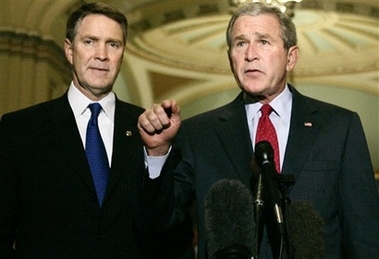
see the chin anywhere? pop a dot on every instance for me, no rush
(255, 90)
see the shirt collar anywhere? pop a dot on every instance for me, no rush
(282, 106)
(79, 102)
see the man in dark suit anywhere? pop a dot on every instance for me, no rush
(48, 199)
(322, 145)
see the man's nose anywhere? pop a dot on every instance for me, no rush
(251, 53)
(102, 52)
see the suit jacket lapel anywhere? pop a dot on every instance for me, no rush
(68, 139)
(235, 139)
(127, 145)
(303, 132)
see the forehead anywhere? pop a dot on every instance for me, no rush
(99, 24)
(261, 24)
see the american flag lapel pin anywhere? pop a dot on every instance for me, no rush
(308, 124)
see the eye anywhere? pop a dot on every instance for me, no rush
(264, 42)
(240, 43)
(114, 45)
(88, 41)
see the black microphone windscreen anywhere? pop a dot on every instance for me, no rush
(229, 218)
(306, 226)
(263, 152)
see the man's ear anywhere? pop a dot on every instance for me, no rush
(68, 49)
(292, 57)
(230, 61)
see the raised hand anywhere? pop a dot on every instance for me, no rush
(158, 126)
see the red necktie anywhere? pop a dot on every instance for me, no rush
(266, 131)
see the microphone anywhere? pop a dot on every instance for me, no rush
(264, 155)
(229, 221)
(305, 226)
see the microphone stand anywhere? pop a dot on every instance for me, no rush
(285, 182)
(275, 223)
(277, 192)
(258, 214)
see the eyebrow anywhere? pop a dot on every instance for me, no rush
(257, 34)
(97, 38)
(264, 35)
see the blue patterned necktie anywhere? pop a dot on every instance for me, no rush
(96, 154)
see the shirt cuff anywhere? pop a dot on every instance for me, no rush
(155, 163)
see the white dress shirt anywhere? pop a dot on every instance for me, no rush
(79, 105)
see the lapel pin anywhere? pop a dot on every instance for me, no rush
(308, 124)
(128, 133)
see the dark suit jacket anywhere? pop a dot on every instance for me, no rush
(329, 159)
(47, 194)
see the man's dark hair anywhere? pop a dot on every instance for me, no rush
(287, 27)
(95, 8)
